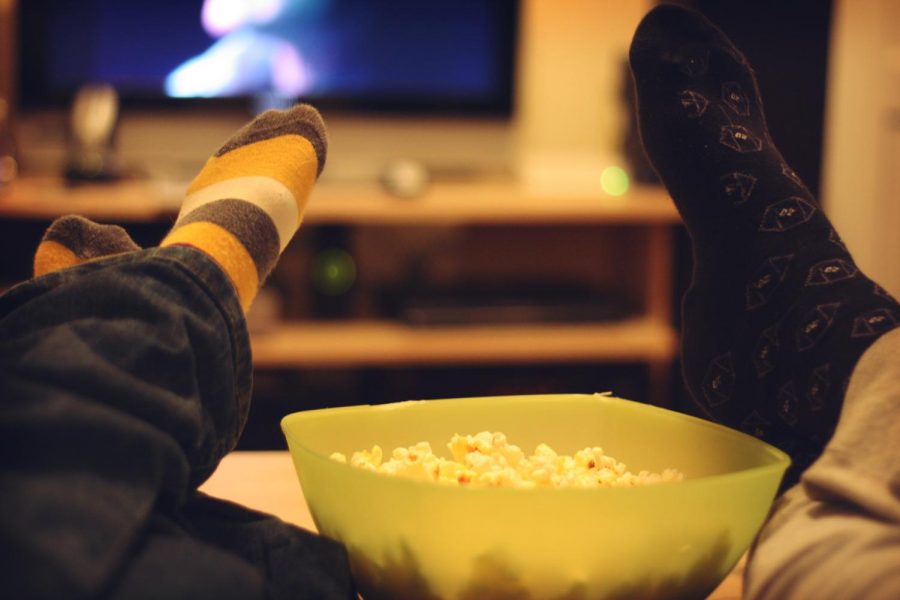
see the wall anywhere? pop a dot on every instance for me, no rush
(862, 152)
(571, 110)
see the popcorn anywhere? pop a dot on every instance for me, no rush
(488, 459)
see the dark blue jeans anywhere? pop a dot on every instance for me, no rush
(123, 383)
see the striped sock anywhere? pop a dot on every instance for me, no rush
(248, 200)
(73, 240)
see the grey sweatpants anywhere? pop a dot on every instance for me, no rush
(836, 534)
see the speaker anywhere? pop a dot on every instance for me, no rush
(9, 167)
(92, 126)
(8, 164)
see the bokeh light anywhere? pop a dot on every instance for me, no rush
(614, 181)
(334, 272)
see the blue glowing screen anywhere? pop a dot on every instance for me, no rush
(357, 51)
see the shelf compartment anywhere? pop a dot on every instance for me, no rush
(378, 343)
(507, 202)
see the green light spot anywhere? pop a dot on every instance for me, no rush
(614, 181)
(334, 272)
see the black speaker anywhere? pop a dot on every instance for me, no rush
(8, 164)
(94, 116)
(9, 167)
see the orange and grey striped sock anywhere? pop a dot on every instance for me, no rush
(248, 200)
(72, 240)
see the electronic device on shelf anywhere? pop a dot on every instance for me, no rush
(395, 55)
(509, 303)
(91, 153)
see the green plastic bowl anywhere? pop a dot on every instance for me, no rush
(422, 540)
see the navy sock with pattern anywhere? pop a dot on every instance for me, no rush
(777, 313)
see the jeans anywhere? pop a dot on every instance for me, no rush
(123, 383)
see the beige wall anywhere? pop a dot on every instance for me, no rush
(572, 54)
(861, 175)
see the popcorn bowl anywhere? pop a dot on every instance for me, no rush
(421, 540)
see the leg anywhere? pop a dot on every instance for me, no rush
(778, 319)
(125, 380)
(247, 202)
(837, 533)
(777, 313)
(241, 210)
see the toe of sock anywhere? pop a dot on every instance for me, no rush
(72, 239)
(676, 35)
(311, 125)
(301, 119)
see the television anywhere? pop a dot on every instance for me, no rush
(419, 56)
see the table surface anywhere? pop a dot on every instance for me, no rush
(266, 481)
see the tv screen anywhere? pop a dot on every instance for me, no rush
(420, 55)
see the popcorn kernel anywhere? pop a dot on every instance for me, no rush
(488, 459)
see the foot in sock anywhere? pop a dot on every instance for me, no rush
(73, 240)
(241, 210)
(777, 313)
(249, 198)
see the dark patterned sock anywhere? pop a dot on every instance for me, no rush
(777, 313)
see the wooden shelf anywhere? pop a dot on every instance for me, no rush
(386, 343)
(648, 339)
(489, 202)
(456, 203)
(122, 201)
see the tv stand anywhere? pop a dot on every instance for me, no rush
(631, 234)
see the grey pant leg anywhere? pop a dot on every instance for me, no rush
(836, 534)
